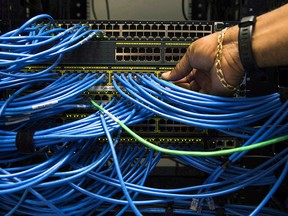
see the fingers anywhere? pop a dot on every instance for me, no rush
(182, 69)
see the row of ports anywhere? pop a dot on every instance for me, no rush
(221, 144)
(142, 26)
(149, 58)
(175, 128)
(155, 27)
(156, 34)
(175, 50)
(138, 50)
(173, 58)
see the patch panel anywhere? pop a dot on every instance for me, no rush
(150, 30)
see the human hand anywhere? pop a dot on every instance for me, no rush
(197, 71)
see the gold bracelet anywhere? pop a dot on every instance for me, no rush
(219, 71)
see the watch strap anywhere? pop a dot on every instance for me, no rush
(246, 27)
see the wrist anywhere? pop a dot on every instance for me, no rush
(231, 45)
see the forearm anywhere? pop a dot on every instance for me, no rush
(269, 38)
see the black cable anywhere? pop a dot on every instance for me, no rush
(107, 9)
(93, 10)
(183, 10)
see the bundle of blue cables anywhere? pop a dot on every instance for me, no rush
(34, 43)
(83, 167)
(234, 116)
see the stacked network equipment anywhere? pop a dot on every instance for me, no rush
(69, 89)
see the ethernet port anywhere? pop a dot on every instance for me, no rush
(170, 27)
(126, 50)
(185, 27)
(207, 28)
(168, 58)
(151, 128)
(184, 129)
(116, 34)
(126, 58)
(168, 50)
(132, 27)
(97, 97)
(156, 50)
(170, 122)
(134, 50)
(175, 58)
(94, 26)
(219, 144)
(140, 27)
(109, 26)
(162, 121)
(178, 27)
(119, 58)
(162, 128)
(141, 58)
(151, 121)
(147, 34)
(141, 50)
(132, 34)
(125, 27)
(161, 34)
(102, 27)
(177, 34)
(170, 34)
(119, 50)
(183, 50)
(169, 129)
(191, 129)
(185, 34)
(193, 27)
(192, 34)
(154, 34)
(125, 34)
(176, 129)
(149, 58)
(116, 27)
(147, 27)
(149, 50)
(175, 50)
(230, 144)
(134, 58)
(154, 27)
(161, 27)
(156, 58)
(108, 34)
(105, 97)
(140, 34)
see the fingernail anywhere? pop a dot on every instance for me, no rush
(165, 75)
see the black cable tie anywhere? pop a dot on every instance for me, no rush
(169, 209)
(226, 164)
(24, 141)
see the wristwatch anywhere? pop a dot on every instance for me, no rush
(246, 26)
